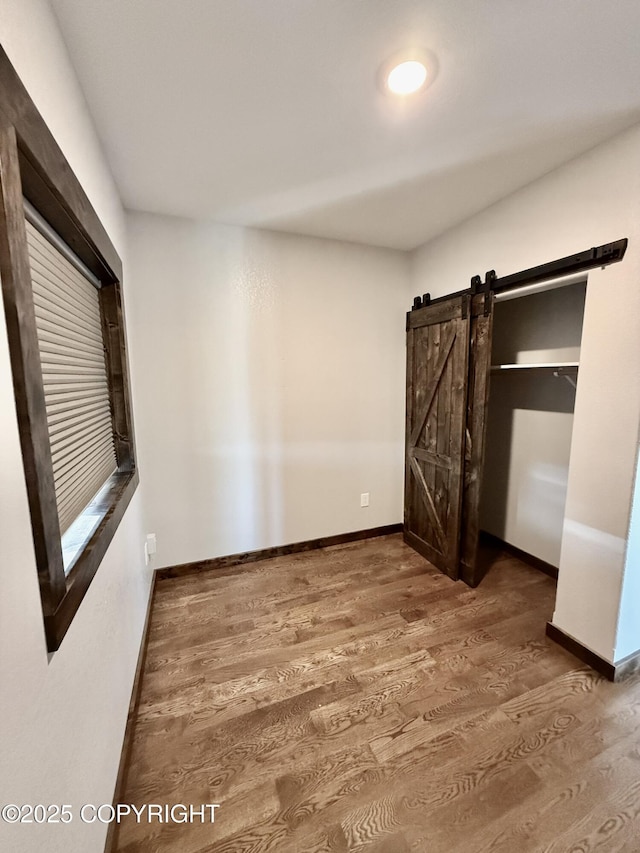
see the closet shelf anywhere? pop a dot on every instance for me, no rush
(559, 367)
(566, 369)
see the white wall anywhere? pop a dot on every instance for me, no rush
(63, 720)
(589, 201)
(274, 385)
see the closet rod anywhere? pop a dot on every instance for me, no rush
(541, 286)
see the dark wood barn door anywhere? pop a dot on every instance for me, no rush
(437, 378)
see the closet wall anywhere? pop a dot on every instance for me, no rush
(530, 420)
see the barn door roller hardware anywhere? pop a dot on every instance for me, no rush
(421, 301)
(486, 288)
(598, 256)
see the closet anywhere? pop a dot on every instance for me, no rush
(492, 373)
(535, 357)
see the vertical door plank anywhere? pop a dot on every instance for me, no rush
(472, 569)
(442, 429)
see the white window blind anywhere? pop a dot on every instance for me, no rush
(74, 372)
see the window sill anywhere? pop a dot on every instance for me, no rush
(109, 505)
(76, 538)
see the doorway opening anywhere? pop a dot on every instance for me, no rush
(535, 360)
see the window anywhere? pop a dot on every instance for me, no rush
(74, 377)
(61, 285)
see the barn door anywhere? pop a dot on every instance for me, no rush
(437, 376)
(473, 562)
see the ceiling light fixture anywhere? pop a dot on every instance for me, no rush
(407, 77)
(407, 73)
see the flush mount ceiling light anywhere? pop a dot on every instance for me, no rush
(407, 73)
(407, 78)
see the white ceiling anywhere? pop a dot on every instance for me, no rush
(267, 113)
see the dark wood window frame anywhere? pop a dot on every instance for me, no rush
(33, 166)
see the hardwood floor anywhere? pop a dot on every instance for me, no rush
(355, 699)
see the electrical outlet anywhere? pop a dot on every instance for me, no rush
(149, 547)
(151, 543)
(364, 499)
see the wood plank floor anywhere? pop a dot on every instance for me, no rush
(355, 699)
